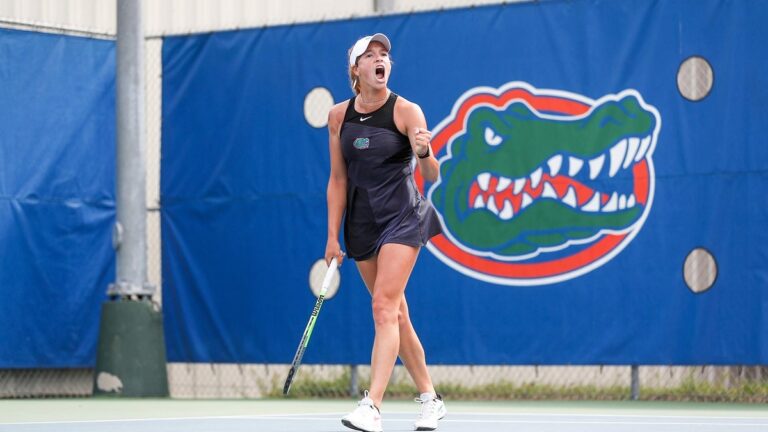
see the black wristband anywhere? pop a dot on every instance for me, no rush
(425, 155)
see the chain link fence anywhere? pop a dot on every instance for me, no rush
(747, 384)
(705, 383)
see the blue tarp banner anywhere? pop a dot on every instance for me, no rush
(57, 169)
(603, 188)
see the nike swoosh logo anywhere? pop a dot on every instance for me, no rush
(365, 118)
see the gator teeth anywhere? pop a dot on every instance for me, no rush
(506, 212)
(595, 165)
(574, 166)
(611, 204)
(527, 200)
(644, 144)
(634, 144)
(615, 202)
(519, 184)
(484, 180)
(617, 156)
(555, 162)
(594, 204)
(570, 197)
(503, 184)
(549, 191)
(492, 206)
(536, 177)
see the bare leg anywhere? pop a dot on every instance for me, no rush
(412, 352)
(396, 258)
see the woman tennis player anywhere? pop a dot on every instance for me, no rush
(373, 139)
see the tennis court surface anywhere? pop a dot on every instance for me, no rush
(96, 415)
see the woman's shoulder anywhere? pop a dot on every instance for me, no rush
(336, 114)
(401, 101)
(403, 105)
(405, 109)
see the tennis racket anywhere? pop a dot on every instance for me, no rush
(310, 326)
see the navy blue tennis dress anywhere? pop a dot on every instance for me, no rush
(383, 203)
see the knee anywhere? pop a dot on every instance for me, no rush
(402, 319)
(385, 311)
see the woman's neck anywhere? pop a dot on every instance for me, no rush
(373, 97)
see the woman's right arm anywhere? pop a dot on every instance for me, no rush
(337, 183)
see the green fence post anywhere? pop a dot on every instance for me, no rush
(131, 358)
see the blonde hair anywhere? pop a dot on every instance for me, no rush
(354, 83)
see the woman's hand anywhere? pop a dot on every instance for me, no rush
(422, 137)
(333, 250)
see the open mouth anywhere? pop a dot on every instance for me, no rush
(379, 72)
(574, 186)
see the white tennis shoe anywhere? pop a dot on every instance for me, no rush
(432, 410)
(366, 417)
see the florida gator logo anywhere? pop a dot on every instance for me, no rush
(541, 186)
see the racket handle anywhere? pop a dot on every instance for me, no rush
(329, 274)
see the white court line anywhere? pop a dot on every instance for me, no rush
(542, 414)
(555, 422)
(623, 423)
(529, 414)
(559, 422)
(655, 421)
(640, 419)
(133, 420)
(391, 420)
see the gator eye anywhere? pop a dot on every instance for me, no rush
(491, 138)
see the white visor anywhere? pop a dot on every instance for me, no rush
(362, 44)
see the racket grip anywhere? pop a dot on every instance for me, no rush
(329, 274)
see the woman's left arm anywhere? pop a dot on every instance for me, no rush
(416, 127)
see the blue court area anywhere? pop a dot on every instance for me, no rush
(87, 415)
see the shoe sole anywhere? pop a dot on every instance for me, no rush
(424, 428)
(349, 424)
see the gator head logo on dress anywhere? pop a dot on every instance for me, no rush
(541, 186)
(361, 143)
